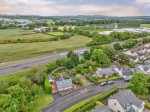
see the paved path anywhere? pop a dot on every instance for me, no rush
(67, 101)
(21, 65)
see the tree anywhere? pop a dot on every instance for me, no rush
(69, 54)
(61, 62)
(69, 63)
(101, 58)
(139, 83)
(86, 55)
(75, 58)
(51, 66)
(123, 59)
(36, 74)
(109, 51)
(117, 46)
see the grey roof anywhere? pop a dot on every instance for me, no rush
(105, 71)
(101, 109)
(146, 67)
(126, 98)
(127, 72)
(64, 84)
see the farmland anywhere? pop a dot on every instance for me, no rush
(17, 51)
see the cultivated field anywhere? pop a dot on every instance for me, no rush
(17, 51)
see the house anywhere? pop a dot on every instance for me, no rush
(64, 84)
(140, 53)
(104, 72)
(143, 68)
(125, 101)
(125, 73)
(39, 29)
(101, 109)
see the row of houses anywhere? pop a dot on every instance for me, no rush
(123, 101)
(125, 73)
(139, 54)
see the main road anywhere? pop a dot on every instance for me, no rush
(21, 65)
(69, 100)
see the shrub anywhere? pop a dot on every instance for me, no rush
(47, 85)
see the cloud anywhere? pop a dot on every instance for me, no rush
(143, 2)
(51, 8)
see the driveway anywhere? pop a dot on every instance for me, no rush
(67, 101)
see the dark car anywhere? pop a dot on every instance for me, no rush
(110, 82)
(103, 84)
(126, 80)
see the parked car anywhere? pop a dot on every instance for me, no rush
(103, 84)
(126, 80)
(110, 82)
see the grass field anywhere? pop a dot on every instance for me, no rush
(55, 33)
(21, 34)
(145, 25)
(14, 32)
(10, 52)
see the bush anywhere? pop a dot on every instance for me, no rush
(92, 79)
(47, 85)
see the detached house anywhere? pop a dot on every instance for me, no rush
(104, 72)
(125, 101)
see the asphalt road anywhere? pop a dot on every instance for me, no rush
(30, 62)
(69, 100)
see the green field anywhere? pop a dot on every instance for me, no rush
(55, 33)
(12, 34)
(145, 25)
(17, 51)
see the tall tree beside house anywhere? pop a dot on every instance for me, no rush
(101, 58)
(74, 57)
(139, 83)
(109, 51)
(123, 59)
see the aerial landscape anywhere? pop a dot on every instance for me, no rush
(75, 56)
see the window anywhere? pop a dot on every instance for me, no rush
(118, 111)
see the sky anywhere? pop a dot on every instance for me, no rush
(76, 7)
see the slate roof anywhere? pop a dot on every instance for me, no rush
(64, 84)
(126, 98)
(127, 72)
(101, 109)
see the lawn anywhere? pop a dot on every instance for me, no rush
(145, 25)
(42, 100)
(55, 33)
(10, 52)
